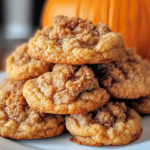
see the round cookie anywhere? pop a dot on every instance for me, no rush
(112, 124)
(125, 80)
(18, 121)
(66, 90)
(142, 105)
(20, 66)
(77, 42)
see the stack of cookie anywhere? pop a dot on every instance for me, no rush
(73, 68)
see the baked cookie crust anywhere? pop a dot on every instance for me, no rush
(67, 89)
(77, 42)
(113, 124)
(20, 66)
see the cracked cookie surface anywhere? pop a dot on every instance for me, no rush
(20, 66)
(67, 89)
(112, 124)
(125, 80)
(76, 41)
(18, 121)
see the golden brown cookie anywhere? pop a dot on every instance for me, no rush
(18, 121)
(125, 80)
(20, 66)
(112, 124)
(67, 89)
(76, 41)
(142, 105)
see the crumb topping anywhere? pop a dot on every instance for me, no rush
(75, 32)
(107, 115)
(13, 106)
(17, 107)
(111, 113)
(66, 82)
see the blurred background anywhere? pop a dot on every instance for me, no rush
(19, 20)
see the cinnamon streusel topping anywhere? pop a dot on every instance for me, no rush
(76, 41)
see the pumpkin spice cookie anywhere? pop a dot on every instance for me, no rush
(76, 41)
(142, 105)
(20, 66)
(18, 121)
(67, 89)
(125, 80)
(112, 124)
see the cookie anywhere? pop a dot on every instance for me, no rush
(18, 121)
(142, 105)
(112, 124)
(67, 89)
(12, 86)
(77, 42)
(20, 66)
(125, 80)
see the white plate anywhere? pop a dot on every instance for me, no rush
(62, 142)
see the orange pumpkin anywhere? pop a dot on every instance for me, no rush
(129, 17)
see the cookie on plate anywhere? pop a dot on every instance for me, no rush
(76, 41)
(112, 124)
(125, 80)
(18, 121)
(142, 106)
(20, 66)
(67, 89)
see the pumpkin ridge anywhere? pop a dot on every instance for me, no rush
(78, 8)
(148, 16)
